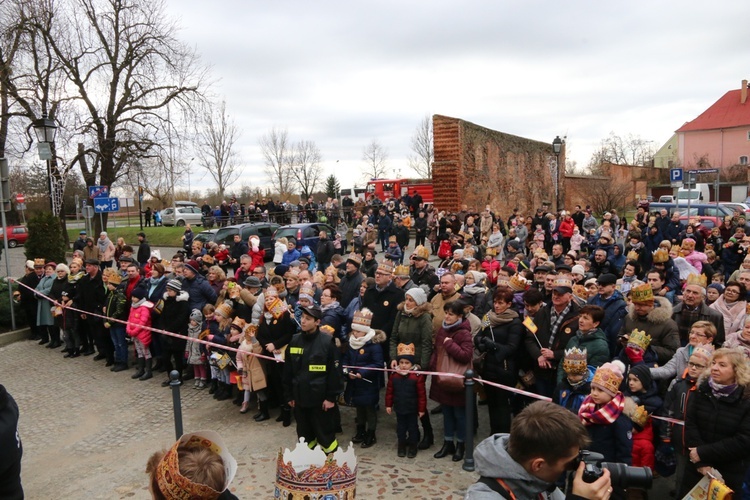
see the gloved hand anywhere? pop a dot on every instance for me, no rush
(489, 345)
(635, 355)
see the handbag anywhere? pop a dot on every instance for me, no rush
(479, 357)
(446, 364)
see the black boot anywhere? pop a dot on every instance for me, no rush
(401, 449)
(370, 439)
(412, 451)
(263, 412)
(428, 439)
(214, 386)
(141, 369)
(226, 392)
(119, 367)
(73, 353)
(448, 449)
(459, 455)
(360, 435)
(286, 412)
(148, 373)
(239, 397)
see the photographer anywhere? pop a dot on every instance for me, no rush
(543, 443)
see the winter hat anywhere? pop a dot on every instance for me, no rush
(578, 269)
(280, 270)
(306, 291)
(407, 352)
(138, 292)
(174, 284)
(193, 265)
(478, 277)
(224, 310)
(362, 320)
(196, 315)
(30, 264)
(718, 287)
(643, 373)
(608, 378)
(63, 267)
(155, 254)
(418, 295)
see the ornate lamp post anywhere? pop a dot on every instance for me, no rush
(46, 130)
(556, 149)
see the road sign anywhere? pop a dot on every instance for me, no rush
(675, 175)
(45, 150)
(21, 206)
(704, 171)
(20, 198)
(103, 205)
(88, 211)
(98, 192)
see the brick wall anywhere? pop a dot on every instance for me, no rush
(477, 166)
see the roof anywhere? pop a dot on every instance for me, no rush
(727, 112)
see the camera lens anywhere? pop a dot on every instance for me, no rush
(625, 476)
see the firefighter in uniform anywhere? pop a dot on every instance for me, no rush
(313, 381)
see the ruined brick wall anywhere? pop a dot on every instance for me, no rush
(477, 166)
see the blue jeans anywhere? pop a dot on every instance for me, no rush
(454, 422)
(117, 333)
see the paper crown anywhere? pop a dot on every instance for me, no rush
(518, 283)
(307, 290)
(661, 256)
(355, 259)
(640, 339)
(421, 252)
(676, 248)
(401, 271)
(642, 293)
(697, 279)
(306, 473)
(632, 255)
(608, 378)
(563, 281)
(406, 350)
(580, 291)
(112, 276)
(239, 323)
(391, 239)
(704, 351)
(575, 361)
(386, 266)
(362, 320)
(639, 416)
(224, 310)
(688, 244)
(39, 262)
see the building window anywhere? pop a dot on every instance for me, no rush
(748, 135)
(743, 160)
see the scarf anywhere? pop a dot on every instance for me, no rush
(357, 343)
(332, 305)
(492, 319)
(592, 414)
(409, 312)
(720, 390)
(103, 245)
(556, 321)
(447, 326)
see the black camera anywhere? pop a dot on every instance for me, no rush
(621, 475)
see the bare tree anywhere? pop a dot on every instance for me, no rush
(422, 147)
(306, 167)
(278, 156)
(609, 193)
(375, 156)
(214, 147)
(630, 150)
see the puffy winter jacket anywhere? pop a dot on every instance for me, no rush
(140, 317)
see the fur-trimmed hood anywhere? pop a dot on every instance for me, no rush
(419, 310)
(660, 314)
(380, 337)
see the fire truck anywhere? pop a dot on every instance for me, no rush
(384, 189)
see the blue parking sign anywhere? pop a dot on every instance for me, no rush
(675, 175)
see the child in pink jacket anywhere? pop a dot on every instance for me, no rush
(139, 323)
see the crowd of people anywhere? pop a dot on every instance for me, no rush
(616, 321)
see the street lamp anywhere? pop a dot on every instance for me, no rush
(46, 130)
(556, 149)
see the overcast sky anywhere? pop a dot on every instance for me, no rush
(344, 73)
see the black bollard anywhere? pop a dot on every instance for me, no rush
(470, 406)
(174, 383)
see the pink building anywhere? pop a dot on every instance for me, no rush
(720, 136)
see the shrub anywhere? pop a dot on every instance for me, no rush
(45, 238)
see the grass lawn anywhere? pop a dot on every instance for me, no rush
(161, 236)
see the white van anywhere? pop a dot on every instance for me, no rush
(698, 195)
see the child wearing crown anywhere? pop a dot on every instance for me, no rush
(406, 393)
(641, 400)
(602, 414)
(638, 350)
(252, 373)
(576, 384)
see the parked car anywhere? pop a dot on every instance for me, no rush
(185, 215)
(709, 210)
(206, 236)
(17, 235)
(666, 199)
(305, 233)
(743, 208)
(264, 230)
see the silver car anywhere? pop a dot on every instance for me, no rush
(185, 215)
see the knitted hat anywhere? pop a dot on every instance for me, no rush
(716, 286)
(386, 266)
(418, 295)
(155, 254)
(575, 361)
(643, 373)
(196, 315)
(578, 269)
(705, 352)
(224, 310)
(138, 292)
(608, 378)
(401, 271)
(51, 264)
(639, 339)
(362, 320)
(174, 284)
(421, 252)
(280, 270)
(407, 352)
(63, 267)
(355, 259)
(306, 291)
(518, 283)
(252, 282)
(193, 265)
(642, 294)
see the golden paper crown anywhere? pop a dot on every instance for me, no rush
(362, 320)
(639, 416)
(421, 252)
(580, 291)
(112, 276)
(697, 279)
(328, 329)
(608, 378)
(563, 281)
(355, 258)
(386, 266)
(661, 256)
(39, 262)
(518, 283)
(239, 323)
(678, 249)
(688, 244)
(642, 293)
(406, 350)
(391, 239)
(632, 255)
(224, 310)
(575, 361)
(401, 271)
(639, 338)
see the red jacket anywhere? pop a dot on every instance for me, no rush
(566, 227)
(257, 257)
(139, 318)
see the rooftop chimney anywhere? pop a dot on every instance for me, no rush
(743, 92)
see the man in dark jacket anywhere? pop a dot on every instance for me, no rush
(422, 273)
(144, 250)
(383, 300)
(352, 280)
(239, 248)
(615, 308)
(80, 243)
(197, 287)
(12, 449)
(90, 296)
(384, 229)
(29, 303)
(313, 381)
(673, 229)
(654, 316)
(694, 308)
(599, 264)
(402, 237)
(324, 252)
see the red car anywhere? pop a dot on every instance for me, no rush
(17, 235)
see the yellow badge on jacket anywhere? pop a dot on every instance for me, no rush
(317, 368)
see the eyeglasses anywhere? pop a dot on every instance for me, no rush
(378, 273)
(697, 334)
(731, 290)
(696, 365)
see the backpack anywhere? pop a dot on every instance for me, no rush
(445, 249)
